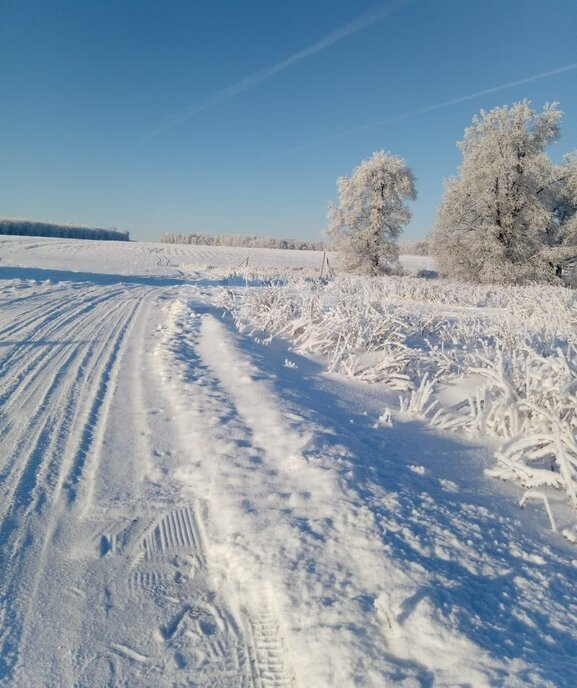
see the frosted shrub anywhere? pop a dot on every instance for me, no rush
(537, 407)
(518, 345)
(345, 329)
(419, 402)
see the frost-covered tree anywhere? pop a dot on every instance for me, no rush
(365, 225)
(510, 214)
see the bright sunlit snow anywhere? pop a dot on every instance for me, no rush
(206, 480)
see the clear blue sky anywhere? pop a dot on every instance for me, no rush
(226, 117)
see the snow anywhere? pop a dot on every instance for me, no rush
(144, 258)
(185, 503)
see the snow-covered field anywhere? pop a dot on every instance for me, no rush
(157, 259)
(186, 501)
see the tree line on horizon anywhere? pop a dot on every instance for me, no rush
(60, 231)
(241, 240)
(416, 247)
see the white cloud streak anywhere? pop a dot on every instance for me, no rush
(336, 36)
(431, 108)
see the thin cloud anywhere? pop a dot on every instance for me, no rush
(336, 36)
(431, 108)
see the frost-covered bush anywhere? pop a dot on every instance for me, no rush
(512, 352)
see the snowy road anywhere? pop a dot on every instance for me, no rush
(183, 505)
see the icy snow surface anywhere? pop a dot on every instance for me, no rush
(182, 504)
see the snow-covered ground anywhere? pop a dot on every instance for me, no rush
(149, 258)
(186, 504)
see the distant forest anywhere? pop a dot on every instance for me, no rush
(243, 240)
(419, 247)
(49, 229)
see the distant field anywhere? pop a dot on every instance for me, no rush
(154, 258)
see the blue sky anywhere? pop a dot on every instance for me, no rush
(239, 116)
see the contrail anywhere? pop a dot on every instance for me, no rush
(430, 108)
(362, 22)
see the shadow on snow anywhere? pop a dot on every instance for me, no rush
(101, 279)
(491, 571)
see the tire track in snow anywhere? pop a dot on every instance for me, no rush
(188, 342)
(145, 609)
(100, 378)
(48, 367)
(29, 298)
(27, 360)
(268, 652)
(26, 434)
(138, 375)
(52, 325)
(294, 528)
(53, 449)
(32, 383)
(170, 584)
(33, 488)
